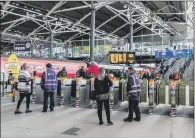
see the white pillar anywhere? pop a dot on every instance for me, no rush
(166, 94)
(187, 89)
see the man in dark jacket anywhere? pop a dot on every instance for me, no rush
(49, 85)
(133, 92)
(61, 74)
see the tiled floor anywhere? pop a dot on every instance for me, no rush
(53, 124)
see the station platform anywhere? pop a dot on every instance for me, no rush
(69, 122)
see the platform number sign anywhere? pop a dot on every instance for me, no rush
(122, 57)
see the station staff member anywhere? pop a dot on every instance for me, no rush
(49, 85)
(24, 87)
(133, 92)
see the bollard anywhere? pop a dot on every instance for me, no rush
(151, 96)
(77, 101)
(61, 92)
(111, 101)
(34, 87)
(93, 102)
(173, 98)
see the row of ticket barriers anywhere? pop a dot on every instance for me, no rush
(76, 92)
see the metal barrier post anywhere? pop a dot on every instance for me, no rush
(3, 85)
(61, 92)
(34, 87)
(167, 94)
(111, 101)
(173, 97)
(187, 92)
(77, 101)
(93, 102)
(151, 96)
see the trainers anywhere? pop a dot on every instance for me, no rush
(51, 110)
(101, 122)
(110, 123)
(44, 111)
(28, 111)
(127, 120)
(137, 119)
(18, 112)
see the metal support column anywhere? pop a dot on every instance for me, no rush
(194, 57)
(92, 42)
(130, 29)
(51, 46)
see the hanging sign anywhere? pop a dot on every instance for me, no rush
(122, 57)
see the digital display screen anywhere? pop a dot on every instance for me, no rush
(119, 57)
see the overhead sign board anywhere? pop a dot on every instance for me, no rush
(22, 46)
(122, 57)
(185, 53)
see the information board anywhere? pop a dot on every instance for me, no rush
(122, 57)
(185, 53)
(22, 46)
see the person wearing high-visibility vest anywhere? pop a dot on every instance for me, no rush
(133, 92)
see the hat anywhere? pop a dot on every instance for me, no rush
(49, 65)
(130, 68)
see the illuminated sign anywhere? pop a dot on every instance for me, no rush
(122, 57)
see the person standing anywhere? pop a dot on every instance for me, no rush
(24, 87)
(81, 72)
(49, 85)
(102, 85)
(133, 92)
(61, 74)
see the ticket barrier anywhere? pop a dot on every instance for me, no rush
(81, 90)
(122, 90)
(151, 96)
(33, 85)
(114, 95)
(65, 95)
(93, 103)
(174, 90)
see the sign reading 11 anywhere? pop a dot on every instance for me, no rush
(117, 57)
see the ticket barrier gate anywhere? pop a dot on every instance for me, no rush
(81, 90)
(114, 94)
(65, 95)
(174, 91)
(122, 90)
(151, 93)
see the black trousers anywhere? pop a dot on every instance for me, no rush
(22, 96)
(107, 109)
(134, 107)
(45, 103)
(59, 88)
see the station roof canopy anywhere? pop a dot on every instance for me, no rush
(70, 20)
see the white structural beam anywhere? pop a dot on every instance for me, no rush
(12, 25)
(55, 7)
(107, 21)
(119, 28)
(140, 23)
(97, 7)
(141, 8)
(51, 11)
(4, 7)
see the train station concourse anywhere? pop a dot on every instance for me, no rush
(97, 69)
